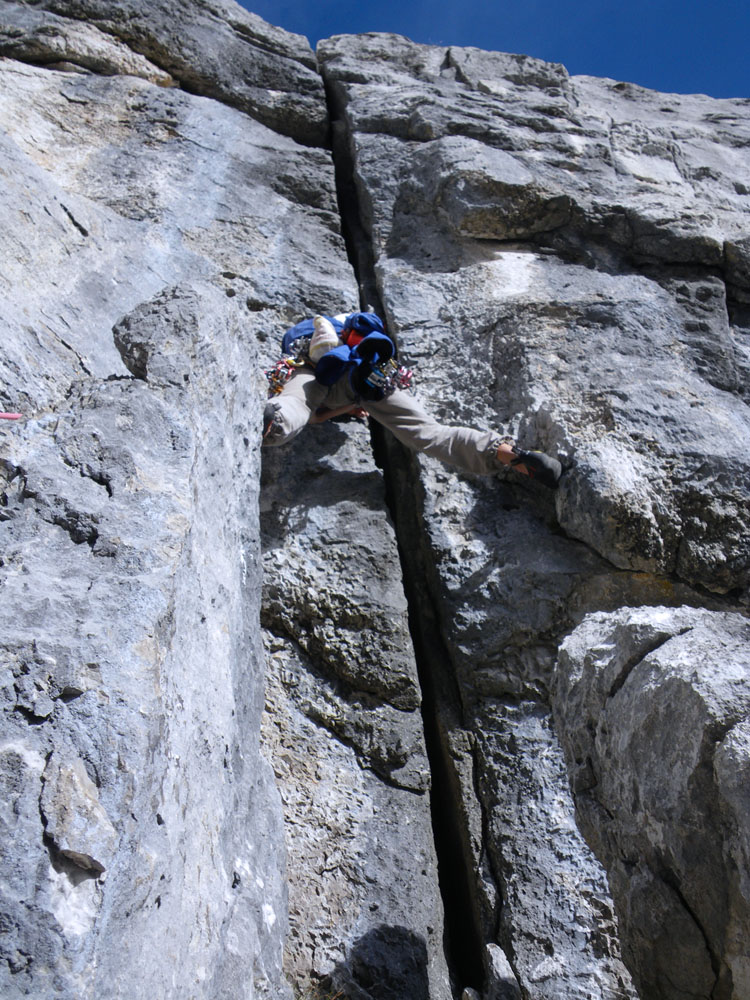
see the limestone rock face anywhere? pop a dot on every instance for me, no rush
(668, 818)
(214, 48)
(344, 726)
(142, 830)
(557, 256)
(339, 720)
(582, 240)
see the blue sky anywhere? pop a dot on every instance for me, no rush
(681, 46)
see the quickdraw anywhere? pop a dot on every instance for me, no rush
(299, 349)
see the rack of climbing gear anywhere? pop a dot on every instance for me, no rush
(389, 376)
(282, 371)
(296, 357)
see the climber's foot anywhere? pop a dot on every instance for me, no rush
(538, 466)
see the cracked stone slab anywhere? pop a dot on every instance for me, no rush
(610, 335)
(117, 651)
(130, 561)
(110, 558)
(613, 350)
(32, 35)
(361, 855)
(163, 194)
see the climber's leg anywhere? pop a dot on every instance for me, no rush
(288, 412)
(468, 449)
(474, 451)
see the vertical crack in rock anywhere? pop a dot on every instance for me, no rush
(671, 879)
(442, 712)
(358, 245)
(146, 669)
(441, 697)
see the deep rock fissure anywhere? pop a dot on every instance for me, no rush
(441, 699)
(441, 710)
(358, 245)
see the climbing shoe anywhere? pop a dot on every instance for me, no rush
(269, 415)
(541, 467)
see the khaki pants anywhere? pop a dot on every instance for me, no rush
(289, 411)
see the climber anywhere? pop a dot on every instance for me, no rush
(346, 365)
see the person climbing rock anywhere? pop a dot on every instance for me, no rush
(335, 365)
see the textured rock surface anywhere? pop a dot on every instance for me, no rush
(142, 832)
(610, 344)
(670, 820)
(132, 667)
(505, 749)
(210, 47)
(344, 726)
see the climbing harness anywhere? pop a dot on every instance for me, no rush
(296, 354)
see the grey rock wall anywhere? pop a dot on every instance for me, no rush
(504, 748)
(143, 845)
(345, 727)
(213, 48)
(559, 258)
(670, 816)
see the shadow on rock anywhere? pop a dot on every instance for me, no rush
(387, 963)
